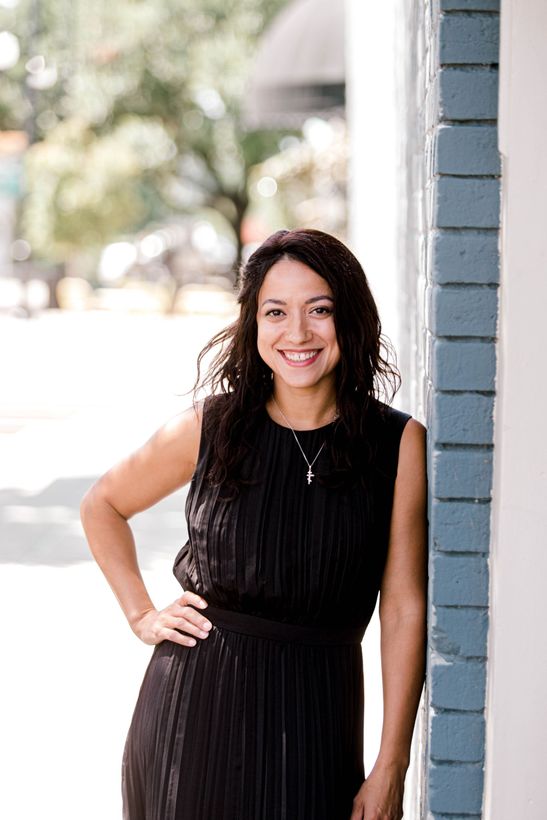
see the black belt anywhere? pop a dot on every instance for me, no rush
(260, 627)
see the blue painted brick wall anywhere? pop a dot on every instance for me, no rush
(461, 473)
(462, 364)
(460, 631)
(436, 816)
(461, 199)
(468, 311)
(460, 526)
(452, 785)
(457, 737)
(468, 257)
(466, 149)
(463, 418)
(469, 5)
(460, 580)
(466, 202)
(467, 93)
(472, 38)
(458, 685)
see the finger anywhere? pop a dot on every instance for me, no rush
(191, 598)
(357, 813)
(189, 626)
(196, 618)
(177, 637)
(188, 613)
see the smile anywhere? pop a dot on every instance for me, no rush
(300, 358)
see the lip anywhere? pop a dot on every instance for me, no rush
(305, 362)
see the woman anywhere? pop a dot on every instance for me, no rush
(307, 498)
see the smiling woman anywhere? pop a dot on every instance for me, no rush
(255, 712)
(347, 375)
(297, 339)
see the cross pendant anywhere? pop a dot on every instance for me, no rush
(310, 475)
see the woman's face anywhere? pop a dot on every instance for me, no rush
(295, 323)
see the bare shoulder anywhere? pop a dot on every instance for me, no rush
(160, 466)
(410, 483)
(414, 436)
(181, 433)
(412, 455)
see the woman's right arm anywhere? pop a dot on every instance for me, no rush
(160, 466)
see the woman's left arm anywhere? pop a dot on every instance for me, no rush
(403, 606)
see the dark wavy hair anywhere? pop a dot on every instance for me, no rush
(364, 374)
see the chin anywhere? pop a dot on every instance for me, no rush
(300, 380)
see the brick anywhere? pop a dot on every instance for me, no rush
(469, 5)
(465, 418)
(437, 816)
(468, 94)
(469, 38)
(463, 365)
(457, 737)
(459, 580)
(462, 526)
(464, 256)
(466, 202)
(458, 685)
(466, 150)
(463, 311)
(461, 473)
(459, 631)
(455, 788)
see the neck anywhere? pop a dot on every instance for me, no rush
(303, 409)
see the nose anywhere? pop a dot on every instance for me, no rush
(298, 330)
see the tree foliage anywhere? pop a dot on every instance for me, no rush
(144, 116)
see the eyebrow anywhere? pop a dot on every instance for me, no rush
(307, 302)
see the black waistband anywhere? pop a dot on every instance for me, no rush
(260, 627)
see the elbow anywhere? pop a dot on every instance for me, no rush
(86, 505)
(412, 613)
(90, 493)
(85, 500)
(90, 501)
(95, 503)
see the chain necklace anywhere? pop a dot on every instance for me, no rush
(309, 474)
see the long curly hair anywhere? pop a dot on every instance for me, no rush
(364, 375)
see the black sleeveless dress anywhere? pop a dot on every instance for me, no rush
(263, 720)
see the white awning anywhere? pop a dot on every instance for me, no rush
(299, 69)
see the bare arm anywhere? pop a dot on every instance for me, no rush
(403, 597)
(163, 464)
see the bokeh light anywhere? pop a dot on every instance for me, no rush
(9, 50)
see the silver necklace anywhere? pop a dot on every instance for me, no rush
(309, 474)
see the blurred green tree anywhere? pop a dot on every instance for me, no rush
(133, 111)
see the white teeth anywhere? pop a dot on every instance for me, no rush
(300, 357)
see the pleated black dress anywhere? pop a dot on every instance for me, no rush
(263, 720)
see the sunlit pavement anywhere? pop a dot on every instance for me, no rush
(78, 391)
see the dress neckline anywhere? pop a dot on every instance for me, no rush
(298, 432)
